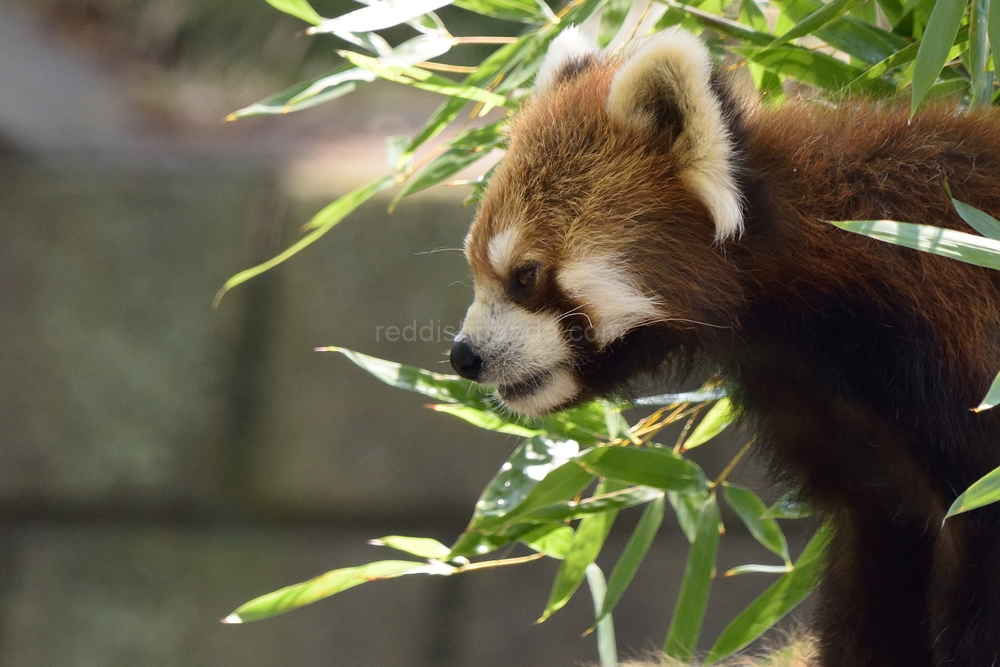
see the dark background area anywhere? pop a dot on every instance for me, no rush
(162, 462)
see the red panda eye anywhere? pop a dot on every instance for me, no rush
(525, 278)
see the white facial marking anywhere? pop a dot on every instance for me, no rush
(570, 45)
(515, 344)
(500, 249)
(678, 63)
(602, 284)
(556, 390)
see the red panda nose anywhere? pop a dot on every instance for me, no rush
(465, 360)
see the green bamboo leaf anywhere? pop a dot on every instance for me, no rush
(779, 599)
(635, 551)
(462, 151)
(378, 16)
(422, 547)
(938, 38)
(587, 543)
(325, 585)
(612, 17)
(307, 94)
(752, 15)
(687, 506)
(983, 223)
(485, 419)
(449, 388)
(818, 19)
(992, 398)
(852, 36)
(424, 80)
(979, 53)
(993, 30)
(298, 8)
(873, 73)
(758, 569)
(528, 11)
(983, 492)
(944, 242)
(702, 395)
(597, 504)
(811, 67)
(553, 541)
(656, 467)
(724, 25)
(689, 612)
(607, 648)
(789, 506)
(715, 422)
(321, 223)
(750, 508)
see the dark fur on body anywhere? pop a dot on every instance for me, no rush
(858, 362)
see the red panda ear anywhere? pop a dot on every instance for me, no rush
(570, 53)
(665, 87)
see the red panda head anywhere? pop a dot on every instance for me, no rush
(603, 224)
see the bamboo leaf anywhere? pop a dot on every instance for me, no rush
(485, 419)
(528, 11)
(587, 543)
(597, 504)
(944, 242)
(810, 67)
(307, 94)
(983, 223)
(298, 8)
(687, 506)
(715, 422)
(422, 547)
(685, 626)
(979, 53)
(817, 20)
(656, 467)
(553, 541)
(378, 16)
(758, 569)
(635, 552)
(992, 398)
(984, 492)
(323, 222)
(750, 508)
(779, 599)
(993, 30)
(938, 38)
(325, 585)
(789, 506)
(424, 80)
(607, 648)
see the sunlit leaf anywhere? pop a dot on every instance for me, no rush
(944, 242)
(938, 38)
(297, 8)
(607, 648)
(379, 15)
(750, 508)
(700, 396)
(752, 15)
(983, 492)
(307, 94)
(817, 20)
(321, 223)
(779, 599)
(689, 612)
(617, 500)
(811, 67)
(656, 467)
(553, 541)
(485, 419)
(635, 551)
(898, 59)
(325, 585)
(715, 422)
(993, 30)
(860, 40)
(587, 543)
(979, 53)
(992, 398)
(422, 547)
(758, 569)
(528, 11)
(424, 80)
(687, 506)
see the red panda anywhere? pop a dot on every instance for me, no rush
(646, 218)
